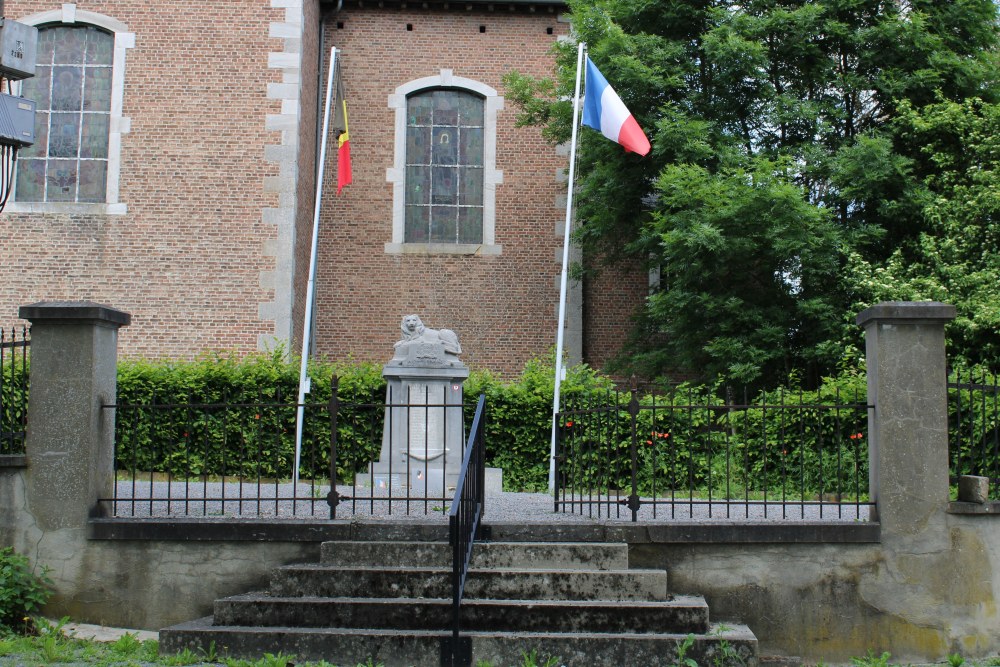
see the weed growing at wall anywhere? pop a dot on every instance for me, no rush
(22, 592)
(872, 660)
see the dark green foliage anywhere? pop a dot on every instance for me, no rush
(13, 405)
(810, 157)
(519, 418)
(750, 228)
(974, 424)
(22, 592)
(953, 258)
(220, 416)
(787, 443)
(244, 422)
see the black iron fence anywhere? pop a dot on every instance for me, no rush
(974, 426)
(695, 453)
(465, 521)
(236, 457)
(14, 344)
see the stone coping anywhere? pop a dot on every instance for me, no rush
(13, 461)
(57, 312)
(907, 311)
(313, 530)
(958, 507)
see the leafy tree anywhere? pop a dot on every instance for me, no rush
(954, 258)
(797, 145)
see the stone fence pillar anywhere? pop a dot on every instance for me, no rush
(70, 439)
(908, 428)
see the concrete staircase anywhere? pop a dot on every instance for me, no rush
(391, 601)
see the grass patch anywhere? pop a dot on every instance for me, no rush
(51, 647)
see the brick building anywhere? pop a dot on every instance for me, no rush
(174, 178)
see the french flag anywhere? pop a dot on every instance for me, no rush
(603, 110)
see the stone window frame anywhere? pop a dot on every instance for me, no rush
(396, 175)
(119, 124)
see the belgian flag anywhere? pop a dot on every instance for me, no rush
(343, 138)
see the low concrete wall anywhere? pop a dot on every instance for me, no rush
(148, 583)
(801, 595)
(921, 582)
(819, 601)
(830, 602)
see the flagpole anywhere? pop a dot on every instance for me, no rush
(304, 381)
(563, 278)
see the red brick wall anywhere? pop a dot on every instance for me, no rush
(610, 300)
(185, 260)
(502, 307)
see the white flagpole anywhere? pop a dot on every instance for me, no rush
(304, 382)
(565, 266)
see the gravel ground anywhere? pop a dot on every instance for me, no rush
(208, 499)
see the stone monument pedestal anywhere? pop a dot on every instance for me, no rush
(424, 434)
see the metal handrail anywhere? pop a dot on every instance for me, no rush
(464, 520)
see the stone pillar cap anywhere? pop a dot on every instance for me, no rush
(907, 310)
(73, 311)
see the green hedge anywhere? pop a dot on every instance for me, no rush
(250, 439)
(13, 406)
(691, 437)
(23, 593)
(220, 415)
(974, 432)
(519, 418)
(703, 448)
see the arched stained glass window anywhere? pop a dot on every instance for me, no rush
(72, 88)
(444, 167)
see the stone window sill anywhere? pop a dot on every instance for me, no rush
(442, 249)
(66, 208)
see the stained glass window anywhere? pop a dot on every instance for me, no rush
(72, 89)
(444, 167)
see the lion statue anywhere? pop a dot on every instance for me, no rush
(414, 331)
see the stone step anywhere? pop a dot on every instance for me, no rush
(497, 583)
(525, 555)
(680, 614)
(722, 646)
